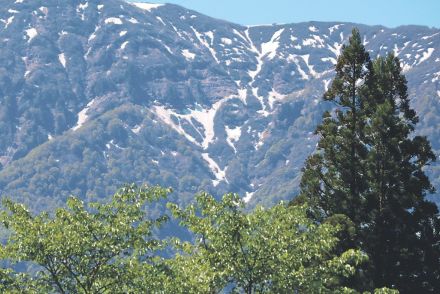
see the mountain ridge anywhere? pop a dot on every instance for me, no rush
(172, 97)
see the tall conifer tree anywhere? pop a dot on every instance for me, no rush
(369, 166)
(333, 176)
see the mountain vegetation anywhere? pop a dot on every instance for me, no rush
(95, 94)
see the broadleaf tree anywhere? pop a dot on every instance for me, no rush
(276, 250)
(98, 248)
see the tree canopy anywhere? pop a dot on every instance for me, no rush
(369, 166)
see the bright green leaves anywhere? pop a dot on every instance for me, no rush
(268, 250)
(110, 248)
(86, 249)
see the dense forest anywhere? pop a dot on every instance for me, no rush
(361, 222)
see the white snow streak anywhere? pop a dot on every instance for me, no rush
(31, 33)
(333, 28)
(426, 55)
(220, 174)
(82, 116)
(326, 84)
(188, 55)
(146, 6)
(9, 21)
(202, 40)
(233, 136)
(270, 48)
(336, 48)
(203, 116)
(248, 197)
(331, 59)
(62, 59)
(123, 45)
(113, 20)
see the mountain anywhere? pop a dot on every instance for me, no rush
(95, 94)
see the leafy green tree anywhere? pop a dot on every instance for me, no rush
(99, 248)
(369, 166)
(277, 250)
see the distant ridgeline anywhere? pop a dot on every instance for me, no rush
(100, 93)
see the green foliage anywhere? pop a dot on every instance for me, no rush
(97, 248)
(275, 250)
(370, 167)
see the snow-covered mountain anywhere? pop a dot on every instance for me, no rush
(94, 94)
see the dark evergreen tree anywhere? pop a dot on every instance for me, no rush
(369, 166)
(402, 227)
(333, 177)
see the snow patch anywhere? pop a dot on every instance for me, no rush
(405, 67)
(82, 116)
(161, 20)
(44, 10)
(62, 59)
(336, 48)
(310, 67)
(123, 45)
(326, 84)
(242, 94)
(203, 116)
(31, 33)
(270, 48)
(122, 33)
(220, 174)
(233, 136)
(93, 35)
(146, 6)
(313, 29)
(428, 37)
(83, 6)
(226, 41)
(9, 21)
(329, 59)
(293, 58)
(188, 55)
(113, 20)
(203, 41)
(334, 28)
(248, 197)
(426, 55)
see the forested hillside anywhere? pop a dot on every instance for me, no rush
(95, 94)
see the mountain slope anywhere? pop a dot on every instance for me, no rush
(95, 94)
